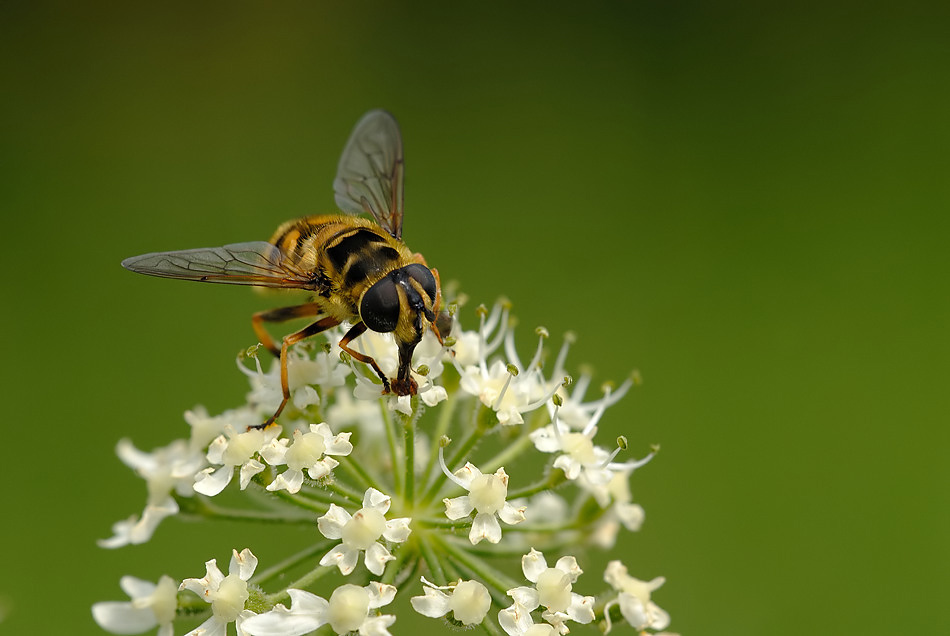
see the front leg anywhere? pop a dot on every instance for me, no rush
(310, 330)
(355, 332)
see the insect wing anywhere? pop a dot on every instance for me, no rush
(369, 178)
(255, 263)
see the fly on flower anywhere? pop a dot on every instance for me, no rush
(358, 269)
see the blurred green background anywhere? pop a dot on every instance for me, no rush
(748, 203)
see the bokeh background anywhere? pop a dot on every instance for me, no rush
(746, 202)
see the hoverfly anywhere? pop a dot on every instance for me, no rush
(358, 270)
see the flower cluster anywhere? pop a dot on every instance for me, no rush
(423, 503)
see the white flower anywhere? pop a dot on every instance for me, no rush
(579, 456)
(350, 609)
(469, 601)
(511, 389)
(552, 590)
(307, 452)
(152, 604)
(621, 511)
(486, 496)
(229, 451)
(579, 415)
(205, 428)
(324, 370)
(634, 598)
(227, 594)
(516, 621)
(361, 532)
(166, 470)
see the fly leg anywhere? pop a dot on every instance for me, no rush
(281, 314)
(289, 340)
(355, 332)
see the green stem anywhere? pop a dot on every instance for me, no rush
(346, 492)
(499, 580)
(394, 566)
(360, 474)
(432, 561)
(488, 624)
(303, 582)
(441, 428)
(554, 479)
(391, 440)
(307, 503)
(445, 523)
(409, 439)
(511, 451)
(279, 568)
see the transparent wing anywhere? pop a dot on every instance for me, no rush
(370, 175)
(256, 263)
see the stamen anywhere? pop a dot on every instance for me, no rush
(633, 464)
(512, 372)
(621, 446)
(607, 624)
(445, 469)
(547, 396)
(554, 424)
(536, 360)
(510, 352)
(569, 339)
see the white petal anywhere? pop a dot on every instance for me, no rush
(434, 395)
(372, 498)
(340, 445)
(123, 618)
(467, 473)
(216, 448)
(485, 526)
(377, 625)
(380, 594)
(581, 609)
(434, 604)
(515, 620)
(343, 557)
(458, 507)
(570, 466)
(250, 468)
(307, 613)
(511, 514)
(210, 482)
(397, 530)
(289, 480)
(211, 627)
(630, 515)
(305, 396)
(274, 452)
(280, 622)
(403, 404)
(533, 564)
(322, 468)
(331, 524)
(568, 565)
(526, 597)
(212, 579)
(243, 563)
(136, 587)
(376, 558)
(545, 441)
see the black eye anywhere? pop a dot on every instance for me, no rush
(421, 274)
(379, 308)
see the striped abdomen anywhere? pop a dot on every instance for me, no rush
(346, 254)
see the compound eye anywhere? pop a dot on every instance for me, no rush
(379, 308)
(421, 274)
